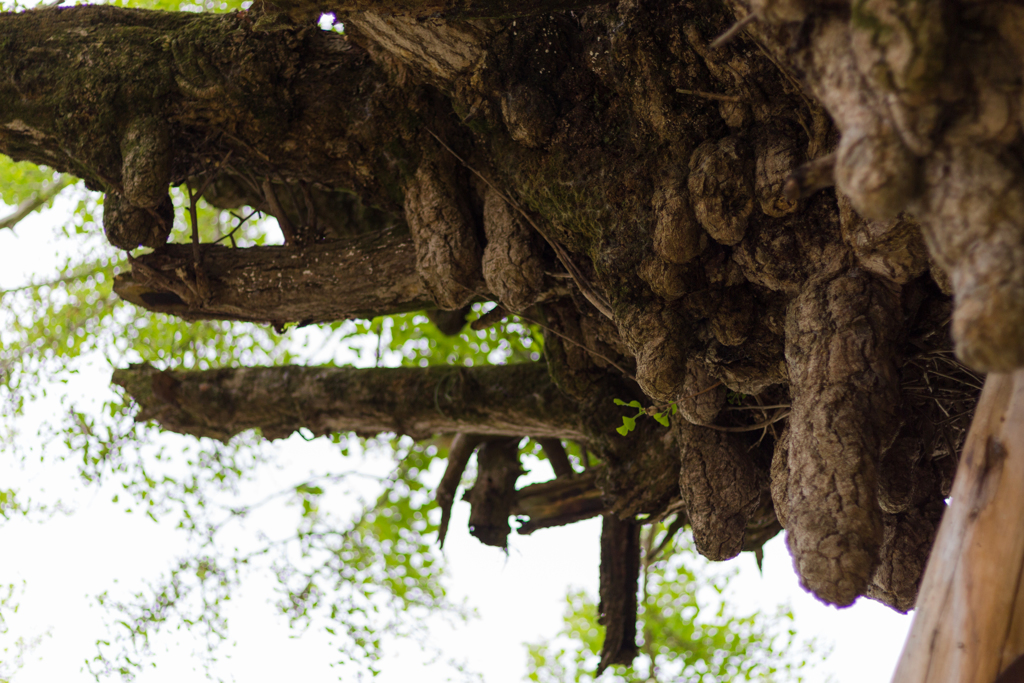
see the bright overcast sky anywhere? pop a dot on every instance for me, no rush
(518, 598)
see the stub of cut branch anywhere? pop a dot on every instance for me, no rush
(360, 278)
(559, 502)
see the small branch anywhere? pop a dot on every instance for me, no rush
(678, 523)
(275, 206)
(733, 31)
(556, 455)
(459, 452)
(35, 201)
(63, 280)
(750, 428)
(559, 502)
(491, 317)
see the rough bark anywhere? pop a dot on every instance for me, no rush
(720, 488)
(509, 400)
(320, 283)
(840, 339)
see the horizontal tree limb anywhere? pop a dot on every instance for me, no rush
(360, 278)
(507, 400)
(558, 502)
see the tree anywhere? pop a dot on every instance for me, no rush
(656, 203)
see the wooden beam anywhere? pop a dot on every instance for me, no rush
(969, 623)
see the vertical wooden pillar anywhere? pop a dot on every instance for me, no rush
(969, 623)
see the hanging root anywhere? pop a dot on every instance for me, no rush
(146, 161)
(128, 226)
(620, 574)
(703, 396)
(840, 342)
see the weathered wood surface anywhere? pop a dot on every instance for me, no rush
(506, 400)
(969, 624)
(358, 278)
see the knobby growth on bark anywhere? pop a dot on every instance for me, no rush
(769, 233)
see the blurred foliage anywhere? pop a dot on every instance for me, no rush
(687, 629)
(13, 651)
(361, 573)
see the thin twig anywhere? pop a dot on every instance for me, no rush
(733, 31)
(751, 428)
(780, 405)
(710, 95)
(44, 195)
(582, 346)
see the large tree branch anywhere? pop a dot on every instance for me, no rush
(181, 90)
(509, 400)
(360, 278)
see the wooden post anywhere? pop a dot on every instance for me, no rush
(969, 622)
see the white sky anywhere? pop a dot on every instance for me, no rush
(518, 598)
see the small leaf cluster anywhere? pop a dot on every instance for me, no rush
(629, 421)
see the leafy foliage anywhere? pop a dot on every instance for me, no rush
(13, 652)
(629, 421)
(688, 630)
